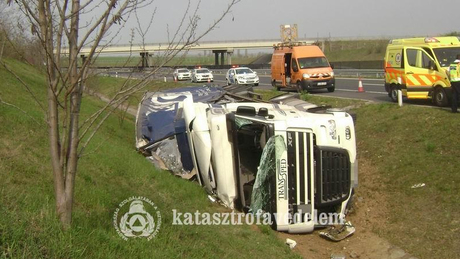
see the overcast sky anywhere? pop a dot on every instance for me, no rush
(260, 19)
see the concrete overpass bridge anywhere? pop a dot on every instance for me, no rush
(222, 48)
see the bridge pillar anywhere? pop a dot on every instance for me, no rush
(144, 59)
(216, 57)
(83, 59)
(229, 56)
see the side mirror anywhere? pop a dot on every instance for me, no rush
(332, 66)
(432, 65)
(295, 69)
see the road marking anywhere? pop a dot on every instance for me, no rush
(362, 79)
(371, 92)
(374, 84)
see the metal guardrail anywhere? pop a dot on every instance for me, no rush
(372, 73)
(366, 73)
(352, 73)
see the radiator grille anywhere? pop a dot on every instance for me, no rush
(317, 176)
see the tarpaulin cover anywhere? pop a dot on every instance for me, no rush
(160, 117)
(161, 125)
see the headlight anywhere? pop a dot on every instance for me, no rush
(348, 133)
(306, 76)
(332, 74)
(332, 129)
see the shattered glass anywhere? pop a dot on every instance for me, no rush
(166, 156)
(263, 195)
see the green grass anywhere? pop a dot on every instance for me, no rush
(110, 172)
(411, 145)
(355, 50)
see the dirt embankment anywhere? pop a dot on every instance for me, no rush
(369, 214)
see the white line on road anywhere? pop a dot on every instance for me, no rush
(371, 92)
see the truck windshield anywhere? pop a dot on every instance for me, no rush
(313, 62)
(446, 56)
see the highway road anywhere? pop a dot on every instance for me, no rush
(374, 89)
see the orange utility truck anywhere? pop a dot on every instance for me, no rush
(301, 66)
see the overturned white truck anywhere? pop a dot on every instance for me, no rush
(286, 157)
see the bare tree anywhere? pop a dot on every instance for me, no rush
(58, 23)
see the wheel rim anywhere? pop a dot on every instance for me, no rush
(440, 97)
(394, 94)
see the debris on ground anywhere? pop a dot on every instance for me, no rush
(291, 243)
(339, 232)
(418, 185)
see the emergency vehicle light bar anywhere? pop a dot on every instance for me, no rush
(431, 40)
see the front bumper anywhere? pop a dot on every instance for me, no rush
(308, 84)
(248, 81)
(205, 79)
(183, 77)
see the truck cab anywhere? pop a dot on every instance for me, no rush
(275, 158)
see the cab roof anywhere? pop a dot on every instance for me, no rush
(430, 41)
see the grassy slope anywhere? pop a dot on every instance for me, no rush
(411, 145)
(108, 174)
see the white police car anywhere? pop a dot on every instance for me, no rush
(202, 75)
(182, 74)
(242, 76)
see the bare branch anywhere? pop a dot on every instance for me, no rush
(21, 110)
(24, 84)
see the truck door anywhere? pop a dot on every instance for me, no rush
(287, 69)
(418, 76)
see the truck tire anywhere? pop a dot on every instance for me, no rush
(331, 89)
(274, 85)
(393, 93)
(298, 86)
(440, 97)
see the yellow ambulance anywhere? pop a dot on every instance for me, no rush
(418, 66)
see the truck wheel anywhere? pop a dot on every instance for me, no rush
(274, 85)
(393, 93)
(298, 86)
(440, 97)
(331, 89)
(256, 84)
